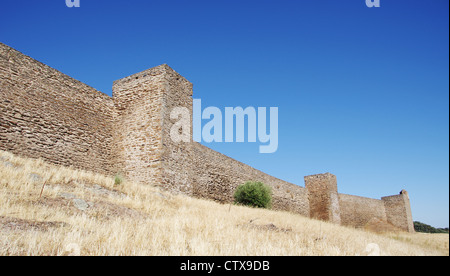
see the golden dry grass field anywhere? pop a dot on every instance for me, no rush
(82, 213)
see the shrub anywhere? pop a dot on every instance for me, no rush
(254, 194)
(118, 179)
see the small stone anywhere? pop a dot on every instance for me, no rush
(80, 204)
(35, 177)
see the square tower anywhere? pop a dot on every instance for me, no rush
(398, 211)
(323, 197)
(145, 150)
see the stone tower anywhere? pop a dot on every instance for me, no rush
(146, 152)
(323, 197)
(398, 211)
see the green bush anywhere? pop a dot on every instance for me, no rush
(254, 194)
(118, 179)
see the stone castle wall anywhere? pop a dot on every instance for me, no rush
(46, 114)
(217, 176)
(358, 211)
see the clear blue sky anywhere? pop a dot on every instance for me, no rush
(362, 93)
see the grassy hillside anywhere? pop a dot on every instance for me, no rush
(84, 213)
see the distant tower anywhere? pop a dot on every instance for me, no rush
(323, 197)
(398, 211)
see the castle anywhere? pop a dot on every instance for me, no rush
(46, 114)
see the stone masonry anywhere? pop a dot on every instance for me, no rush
(46, 114)
(323, 197)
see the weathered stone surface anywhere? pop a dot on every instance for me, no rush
(323, 197)
(216, 176)
(398, 211)
(359, 211)
(46, 114)
(80, 204)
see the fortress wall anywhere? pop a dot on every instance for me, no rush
(398, 211)
(358, 211)
(46, 114)
(216, 176)
(144, 103)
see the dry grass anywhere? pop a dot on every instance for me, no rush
(133, 219)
